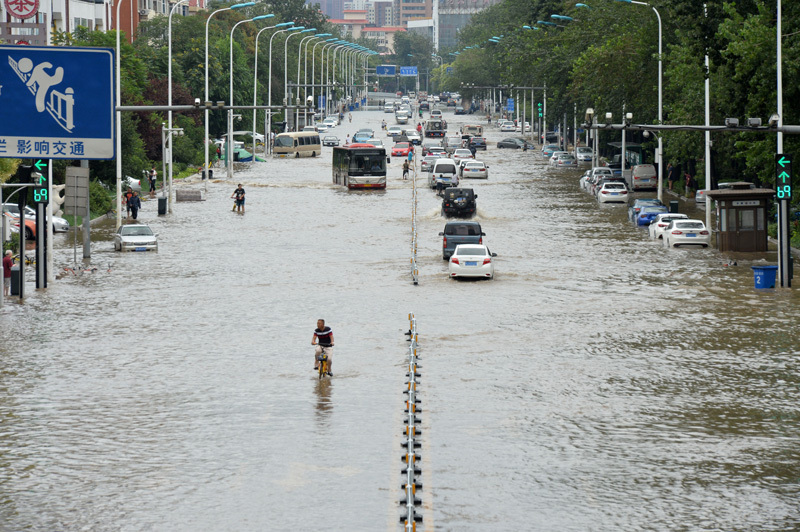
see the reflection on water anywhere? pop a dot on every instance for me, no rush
(600, 382)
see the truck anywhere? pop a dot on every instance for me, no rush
(434, 128)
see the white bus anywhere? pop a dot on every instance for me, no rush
(297, 144)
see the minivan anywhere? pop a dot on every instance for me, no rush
(644, 176)
(456, 233)
(444, 173)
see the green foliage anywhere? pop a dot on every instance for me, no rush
(100, 200)
(12, 244)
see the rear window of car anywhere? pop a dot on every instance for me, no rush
(614, 185)
(462, 229)
(470, 251)
(690, 225)
(445, 169)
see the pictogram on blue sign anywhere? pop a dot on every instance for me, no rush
(386, 70)
(510, 104)
(56, 102)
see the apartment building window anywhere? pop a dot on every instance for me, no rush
(85, 22)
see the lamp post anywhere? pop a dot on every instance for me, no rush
(169, 100)
(229, 151)
(325, 44)
(660, 154)
(267, 134)
(269, 85)
(286, 98)
(206, 102)
(305, 66)
(304, 40)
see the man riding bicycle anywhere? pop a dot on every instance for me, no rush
(323, 339)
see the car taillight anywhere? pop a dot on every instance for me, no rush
(663, 225)
(454, 260)
(444, 242)
(604, 192)
(480, 240)
(487, 261)
(677, 232)
(703, 232)
(624, 192)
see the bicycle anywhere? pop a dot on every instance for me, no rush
(322, 363)
(29, 259)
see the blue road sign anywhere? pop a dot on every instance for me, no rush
(386, 70)
(449, 70)
(408, 71)
(56, 102)
(510, 104)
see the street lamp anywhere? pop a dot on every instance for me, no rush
(305, 40)
(229, 150)
(269, 83)
(169, 100)
(562, 17)
(287, 100)
(206, 103)
(326, 43)
(305, 67)
(255, 90)
(660, 154)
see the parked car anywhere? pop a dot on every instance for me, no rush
(601, 180)
(461, 154)
(322, 127)
(472, 260)
(478, 143)
(427, 162)
(643, 176)
(613, 192)
(13, 223)
(363, 135)
(515, 143)
(388, 108)
(436, 113)
(460, 110)
(686, 232)
(456, 233)
(584, 178)
(427, 144)
(661, 221)
(458, 202)
(378, 143)
(60, 225)
(583, 154)
(443, 174)
(519, 127)
(135, 237)
(331, 121)
(330, 140)
(439, 151)
(474, 169)
(647, 214)
(633, 210)
(507, 126)
(555, 156)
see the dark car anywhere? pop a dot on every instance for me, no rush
(648, 214)
(515, 143)
(460, 110)
(456, 233)
(458, 202)
(633, 210)
(479, 143)
(424, 105)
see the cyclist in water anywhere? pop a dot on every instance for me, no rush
(323, 339)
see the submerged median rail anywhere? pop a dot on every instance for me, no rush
(414, 270)
(412, 472)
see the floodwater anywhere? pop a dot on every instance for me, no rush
(599, 382)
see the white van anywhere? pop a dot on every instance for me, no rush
(643, 176)
(444, 172)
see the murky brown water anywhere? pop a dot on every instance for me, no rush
(599, 383)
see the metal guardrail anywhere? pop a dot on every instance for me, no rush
(414, 201)
(411, 458)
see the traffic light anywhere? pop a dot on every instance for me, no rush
(783, 171)
(539, 107)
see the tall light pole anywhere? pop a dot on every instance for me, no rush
(267, 134)
(304, 40)
(169, 102)
(206, 102)
(660, 154)
(323, 78)
(313, 67)
(287, 99)
(269, 84)
(229, 151)
(119, 124)
(305, 66)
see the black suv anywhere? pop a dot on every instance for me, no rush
(458, 202)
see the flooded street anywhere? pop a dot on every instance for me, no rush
(599, 382)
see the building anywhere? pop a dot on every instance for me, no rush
(353, 22)
(422, 27)
(384, 37)
(405, 10)
(380, 13)
(452, 15)
(333, 9)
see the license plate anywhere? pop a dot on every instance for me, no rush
(140, 249)
(471, 263)
(615, 193)
(690, 234)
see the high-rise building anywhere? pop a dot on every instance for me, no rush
(452, 15)
(405, 10)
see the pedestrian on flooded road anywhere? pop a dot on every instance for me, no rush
(672, 175)
(126, 199)
(8, 263)
(135, 203)
(152, 177)
(405, 169)
(238, 196)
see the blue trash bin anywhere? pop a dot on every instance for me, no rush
(764, 276)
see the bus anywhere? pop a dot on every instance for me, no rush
(359, 166)
(297, 144)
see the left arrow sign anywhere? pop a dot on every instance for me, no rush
(40, 164)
